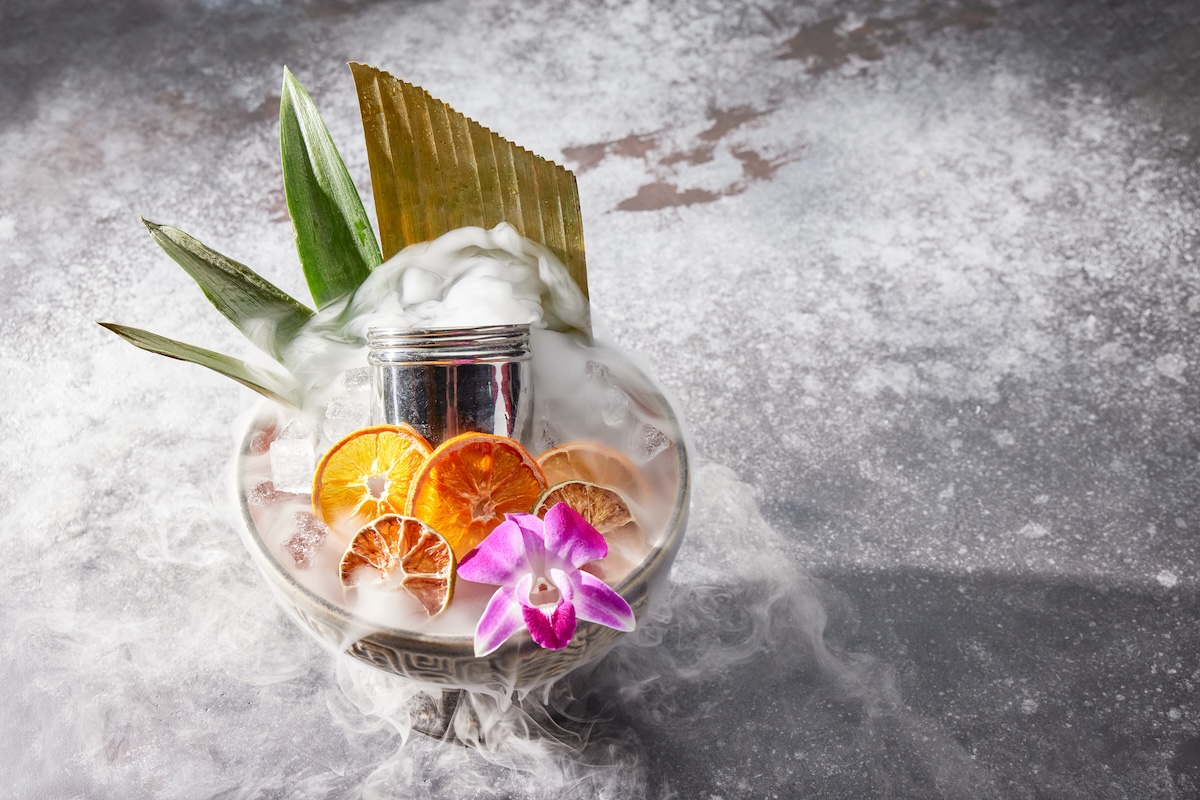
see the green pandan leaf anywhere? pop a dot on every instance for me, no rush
(267, 316)
(334, 237)
(266, 382)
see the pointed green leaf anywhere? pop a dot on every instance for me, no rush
(434, 170)
(266, 382)
(266, 315)
(334, 237)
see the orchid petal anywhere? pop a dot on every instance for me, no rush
(595, 601)
(501, 619)
(571, 539)
(534, 532)
(530, 522)
(503, 557)
(523, 551)
(564, 582)
(552, 628)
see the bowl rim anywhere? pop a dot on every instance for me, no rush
(663, 551)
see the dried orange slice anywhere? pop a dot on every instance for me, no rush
(469, 483)
(394, 547)
(608, 512)
(594, 463)
(366, 475)
(603, 508)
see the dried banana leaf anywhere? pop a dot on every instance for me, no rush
(434, 170)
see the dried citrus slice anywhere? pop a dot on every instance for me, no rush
(401, 552)
(469, 483)
(608, 512)
(594, 463)
(602, 507)
(366, 475)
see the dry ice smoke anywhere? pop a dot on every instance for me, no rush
(739, 619)
(742, 626)
(469, 277)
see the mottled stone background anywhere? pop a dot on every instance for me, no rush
(922, 277)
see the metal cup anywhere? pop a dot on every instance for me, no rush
(447, 381)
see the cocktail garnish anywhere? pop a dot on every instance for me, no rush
(470, 483)
(366, 475)
(607, 511)
(536, 563)
(434, 170)
(394, 547)
(594, 463)
(467, 176)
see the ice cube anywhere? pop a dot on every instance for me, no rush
(260, 441)
(345, 414)
(307, 537)
(355, 380)
(597, 372)
(292, 465)
(615, 406)
(264, 494)
(296, 429)
(648, 441)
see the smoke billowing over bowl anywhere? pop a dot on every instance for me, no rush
(582, 391)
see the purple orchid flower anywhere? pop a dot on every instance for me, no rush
(536, 565)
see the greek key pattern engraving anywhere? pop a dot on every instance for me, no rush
(533, 665)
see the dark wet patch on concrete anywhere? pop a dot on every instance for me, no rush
(635, 145)
(725, 121)
(662, 194)
(832, 43)
(757, 168)
(824, 46)
(659, 152)
(665, 194)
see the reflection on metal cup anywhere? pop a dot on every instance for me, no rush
(447, 381)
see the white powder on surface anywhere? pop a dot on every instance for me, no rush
(851, 271)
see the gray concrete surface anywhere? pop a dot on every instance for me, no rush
(922, 276)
